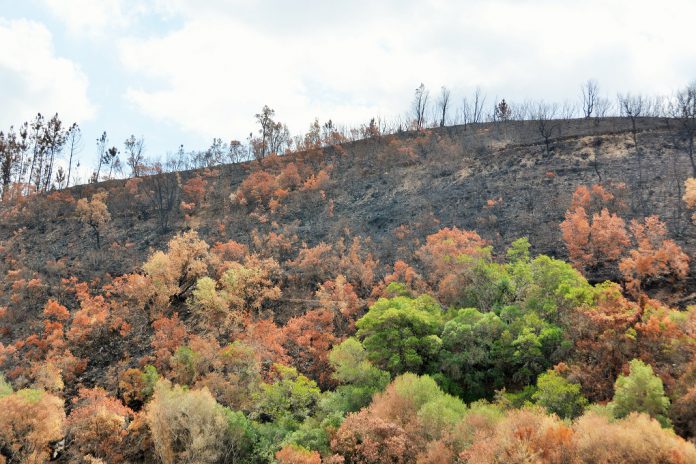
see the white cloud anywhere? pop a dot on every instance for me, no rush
(352, 60)
(33, 79)
(95, 18)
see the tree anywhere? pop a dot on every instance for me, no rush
(636, 438)
(291, 396)
(273, 135)
(545, 114)
(524, 435)
(94, 213)
(599, 239)
(357, 377)
(112, 160)
(690, 195)
(363, 438)
(443, 105)
(640, 391)
(686, 110)
(473, 112)
(654, 256)
(450, 255)
(161, 192)
(590, 95)
(102, 141)
(559, 396)
(420, 106)
(592, 243)
(502, 111)
(402, 334)
(55, 140)
(473, 353)
(73, 139)
(174, 274)
(135, 155)
(38, 140)
(308, 340)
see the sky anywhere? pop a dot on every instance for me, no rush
(184, 71)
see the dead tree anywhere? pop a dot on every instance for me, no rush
(686, 111)
(443, 105)
(546, 125)
(590, 95)
(420, 106)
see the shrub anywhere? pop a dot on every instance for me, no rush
(97, 426)
(636, 439)
(294, 454)
(189, 426)
(30, 421)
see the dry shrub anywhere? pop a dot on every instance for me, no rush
(293, 454)
(186, 426)
(364, 438)
(524, 436)
(637, 439)
(97, 425)
(29, 422)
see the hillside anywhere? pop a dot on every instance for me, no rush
(496, 179)
(334, 224)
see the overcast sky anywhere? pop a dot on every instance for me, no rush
(184, 71)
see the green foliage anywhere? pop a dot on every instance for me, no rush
(292, 397)
(5, 388)
(472, 351)
(402, 334)
(185, 363)
(358, 378)
(150, 378)
(640, 391)
(559, 396)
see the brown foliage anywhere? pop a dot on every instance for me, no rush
(267, 340)
(30, 421)
(339, 297)
(293, 454)
(449, 255)
(256, 189)
(592, 243)
(308, 340)
(172, 274)
(636, 439)
(524, 436)
(94, 213)
(97, 425)
(170, 334)
(364, 438)
(655, 256)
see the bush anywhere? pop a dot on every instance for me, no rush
(97, 426)
(189, 426)
(29, 422)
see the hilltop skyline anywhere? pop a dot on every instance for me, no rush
(178, 73)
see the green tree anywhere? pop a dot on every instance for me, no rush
(402, 334)
(291, 397)
(358, 378)
(640, 391)
(559, 396)
(472, 353)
